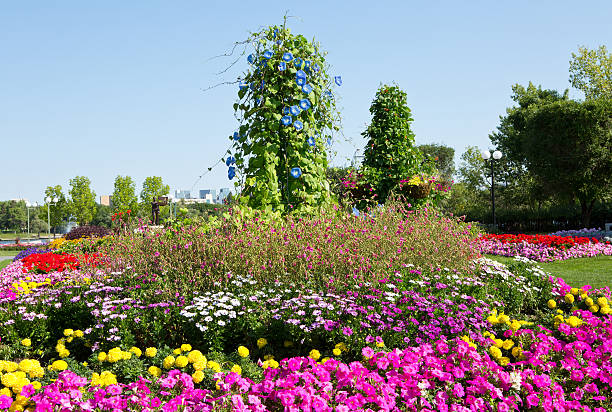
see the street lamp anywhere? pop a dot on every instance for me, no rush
(50, 201)
(486, 155)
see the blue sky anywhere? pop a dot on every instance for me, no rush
(111, 88)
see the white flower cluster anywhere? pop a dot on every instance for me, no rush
(209, 309)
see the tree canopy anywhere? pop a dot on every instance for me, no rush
(82, 200)
(591, 72)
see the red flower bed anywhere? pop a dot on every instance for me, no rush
(54, 262)
(560, 242)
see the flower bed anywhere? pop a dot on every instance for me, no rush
(543, 248)
(488, 337)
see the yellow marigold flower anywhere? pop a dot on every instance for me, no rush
(504, 318)
(559, 311)
(198, 376)
(574, 291)
(605, 310)
(503, 361)
(508, 343)
(380, 344)
(287, 344)
(194, 356)
(108, 378)
(200, 365)
(155, 371)
(11, 366)
(594, 308)
(37, 385)
(314, 354)
(589, 301)
(341, 346)
(9, 380)
(102, 356)
(574, 321)
(26, 342)
(136, 351)
(495, 352)
(569, 298)
(602, 301)
(181, 361)
(185, 347)
(85, 364)
(20, 374)
(261, 342)
(114, 355)
(26, 365)
(552, 304)
(68, 332)
(516, 351)
(70, 339)
(5, 391)
(37, 372)
(59, 365)
(168, 362)
(150, 352)
(126, 355)
(336, 352)
(498, 343)
(78, 333)
(273, 364)
(214, 366)
(515, 325)
(243, 351)
(236, 369)
(177, 351)
(64, 353)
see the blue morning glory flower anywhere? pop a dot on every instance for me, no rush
(243, 85)
(236, 136)
(268, 54)
(282, 66)
(298, 125)
(328, 94)
(286, 110)
(258, 101)
(297, 62)
(307, 88)
(287, 57)
(294, 110)
(251, 59)
(338, 80)
(286, 120)
(275, 33)
(300, 81)
(230, 160)
(300, 74)
(296, 172)
(231, 172)
(316, 67)
(311, 141)
(305, 103)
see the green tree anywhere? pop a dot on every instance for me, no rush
(13, 215)
(152, 186)
(82, 200)
(59, 211)
(37, 225)
(472, 170)
(124, 196)
(390, 154)
(568, 145)
(443, 157)
(591, 72)
(103, 216)
(287, 114)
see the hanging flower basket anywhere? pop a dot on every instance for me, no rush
(415, 188)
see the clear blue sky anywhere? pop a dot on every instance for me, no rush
(106, 88)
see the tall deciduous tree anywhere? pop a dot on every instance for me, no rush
(591, 72)
(13, 215)
(124, 196)
(568, 144)
(82, 200)
(59, 211)
(390, 154)
(443, 157)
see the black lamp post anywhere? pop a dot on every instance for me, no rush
(486, 155)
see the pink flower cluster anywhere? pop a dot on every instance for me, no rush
(541, 252)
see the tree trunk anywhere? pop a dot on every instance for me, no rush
(586, 208)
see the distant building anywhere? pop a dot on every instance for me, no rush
(182, 194)
(223, 194)
(209, 195)
(106, 200)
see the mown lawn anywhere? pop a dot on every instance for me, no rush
(595, 271)
(5, 263)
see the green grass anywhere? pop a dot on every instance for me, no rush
(5, 263)
(8, 252)
(595, 271)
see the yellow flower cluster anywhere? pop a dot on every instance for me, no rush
(261, 342)
(115, 355)
(269, 361)
(339, 348)
(26, 286)
(69, 336)
(469, 341)
(499, 346)
(103, 379)
(243, 351)
(594, 304)
(500, 319)
(17, 375)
